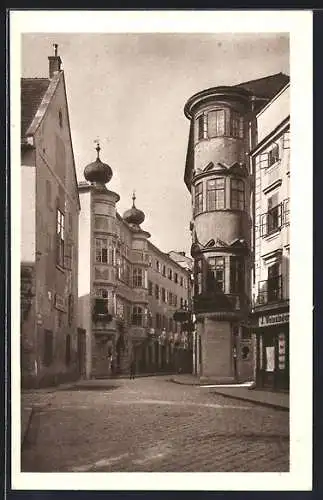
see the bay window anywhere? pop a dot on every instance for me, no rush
(138, 280)
(216, 270)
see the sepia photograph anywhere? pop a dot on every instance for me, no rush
(156, 207)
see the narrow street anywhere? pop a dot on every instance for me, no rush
(151, 424)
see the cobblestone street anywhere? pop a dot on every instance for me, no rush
(151, 424)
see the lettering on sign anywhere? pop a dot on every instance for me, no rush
(273, 319)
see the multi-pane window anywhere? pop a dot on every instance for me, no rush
(237, 194)
(201, 131)
(175, 300)
(60, 228)
(198, 200)
(216, 123)
(176, 278)
(274, 282)
(170, 298)
(215, 194)
(216, 269)
(156, 292)
(138, 278)
(163, 294)
(273, 214)
(236, 274)
(137, 315)
(170, 274)
(236, 125)
(273, 155)
(198, 282)
(150, 288)
(181, 281)
(164, 270)
(157, 266)
(70, 309)
(101, 250)
(158, 320)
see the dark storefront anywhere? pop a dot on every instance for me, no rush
(272, 350)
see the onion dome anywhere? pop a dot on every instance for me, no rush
(98, 172)
(134, 215)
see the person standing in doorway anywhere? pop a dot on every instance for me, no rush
(132, 369)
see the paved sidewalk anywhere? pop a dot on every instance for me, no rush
(278, 400)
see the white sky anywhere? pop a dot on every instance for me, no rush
(130, 89)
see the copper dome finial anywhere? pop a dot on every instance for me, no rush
(133, 198)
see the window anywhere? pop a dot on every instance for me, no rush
(236, 125)
(273, 214)
(274, 283)
(170, 298)
(198, 201)
(157, 292)
(286, 211)
(158, 320)
(101, 250)
(216, 269)
(215, 123)
(70, 309)
(163, 294)
(175, 300)
(273, 155)
(237, 194)
(198, 282)
(170, 274)
(48, 348)
(137, 277)
(157, 266)
(215, 194)
(176, 278)
(181, 281)
(201, 132)
(150, 288)
(60, 229)
(164, 270)
(68, 350)
(236, 274)
(60, 119)
(137, 316)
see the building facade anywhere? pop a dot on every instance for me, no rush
(270, 308)
(218, 176)
(49, 232)
(128, 289)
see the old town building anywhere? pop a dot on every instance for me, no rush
(49, 232)
(217, 174)
(129, 290)
(271, 219)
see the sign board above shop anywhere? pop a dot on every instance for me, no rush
(273, 319)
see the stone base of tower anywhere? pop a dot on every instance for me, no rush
(221, 360)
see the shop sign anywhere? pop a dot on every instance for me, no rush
(273, 319)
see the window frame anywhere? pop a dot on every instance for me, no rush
(137, 277)
(198, 198)
(215, 269)
(237, 195)
(213, 204)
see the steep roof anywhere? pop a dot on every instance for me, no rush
(31, 95)
(266, 87)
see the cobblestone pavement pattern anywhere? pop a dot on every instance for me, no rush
(152, 425)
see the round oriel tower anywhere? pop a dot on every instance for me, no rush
(217, 175)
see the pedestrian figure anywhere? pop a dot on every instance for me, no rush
(132, 369)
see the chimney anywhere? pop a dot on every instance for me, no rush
(54, 62)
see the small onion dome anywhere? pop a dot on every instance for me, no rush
(134, 215)
(98, 172)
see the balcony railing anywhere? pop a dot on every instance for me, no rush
(270, 291)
